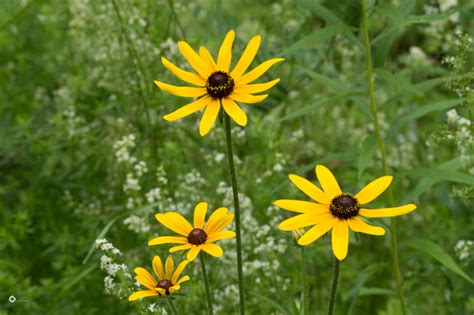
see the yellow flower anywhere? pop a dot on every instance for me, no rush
(168, 282)
(216, 83)
(197, 237)
(336, 210)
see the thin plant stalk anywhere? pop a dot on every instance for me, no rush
(335, 280)
(381, 145)
(230, 159)
(304, 306)
(206, 284)
(172, 307)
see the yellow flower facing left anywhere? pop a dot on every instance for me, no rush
(197, 237)
(215, 84)
(336, 210)
(169, 280)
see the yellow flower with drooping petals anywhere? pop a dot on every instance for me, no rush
(216, 84)
(168, 280)
(336, 210)
(197, 237)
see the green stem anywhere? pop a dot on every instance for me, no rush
(304, 306)
(230, 158)
(206, 284)
(373, 106)
(172, 307)
(335, 280)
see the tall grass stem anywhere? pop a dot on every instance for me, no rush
(381, 145)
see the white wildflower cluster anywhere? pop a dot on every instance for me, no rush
(137, 224)
(416, 57)
(464, 249)
(461, 135)
(106, 246)
(261, 264)
(122, 148)
(116, 273)
(131, 183)
(440, 32)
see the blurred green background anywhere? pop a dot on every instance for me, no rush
(85, 154)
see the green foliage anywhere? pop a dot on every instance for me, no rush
(85, 154)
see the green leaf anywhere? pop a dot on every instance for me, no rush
(308, 109)
(330, 18)
(316, 37)
(332, 84)
(420, 112)
(418, 88)
(450, 175)
(271, 302)
(376, 291)
(107, 227)
(362, 277)
(432, 249)
(366, 152)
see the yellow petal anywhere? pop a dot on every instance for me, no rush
(175, 222)
(188, 109)
(161, 291)
(209, 117)
(174, 288)
(387, 212)
(257, 71)
(218, 223)
(357, 225)
(213, 249)
(141, 294)
(317, 231)
(194, 60)
(158, 267)
(179, 270)
(255, 88)
(180, 247)
(148, 278)
(214, 219)
(183, 279)
(225, 52)
(193, 252)
(328, 181)
(182, 74)
(145, 281)
(200, 214)
(207, 57)
(340, 239)
(302, 220)
(246, 58)
(169, 265)
(373, 189)
(248, 98)
(221, 235)
(167, 240)
(301, 206)
(234, 111)
(183, 91)
(310, 189)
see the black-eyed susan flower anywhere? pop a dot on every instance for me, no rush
(169, 280)
(197, 237)
(215, 84)
(336, 210)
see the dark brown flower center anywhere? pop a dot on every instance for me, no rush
(164, 284)
(344, 206)
(219, 84)
(197, 237)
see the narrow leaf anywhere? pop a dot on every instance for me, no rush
(432, 249)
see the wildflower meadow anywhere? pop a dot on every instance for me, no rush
(237, 157)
